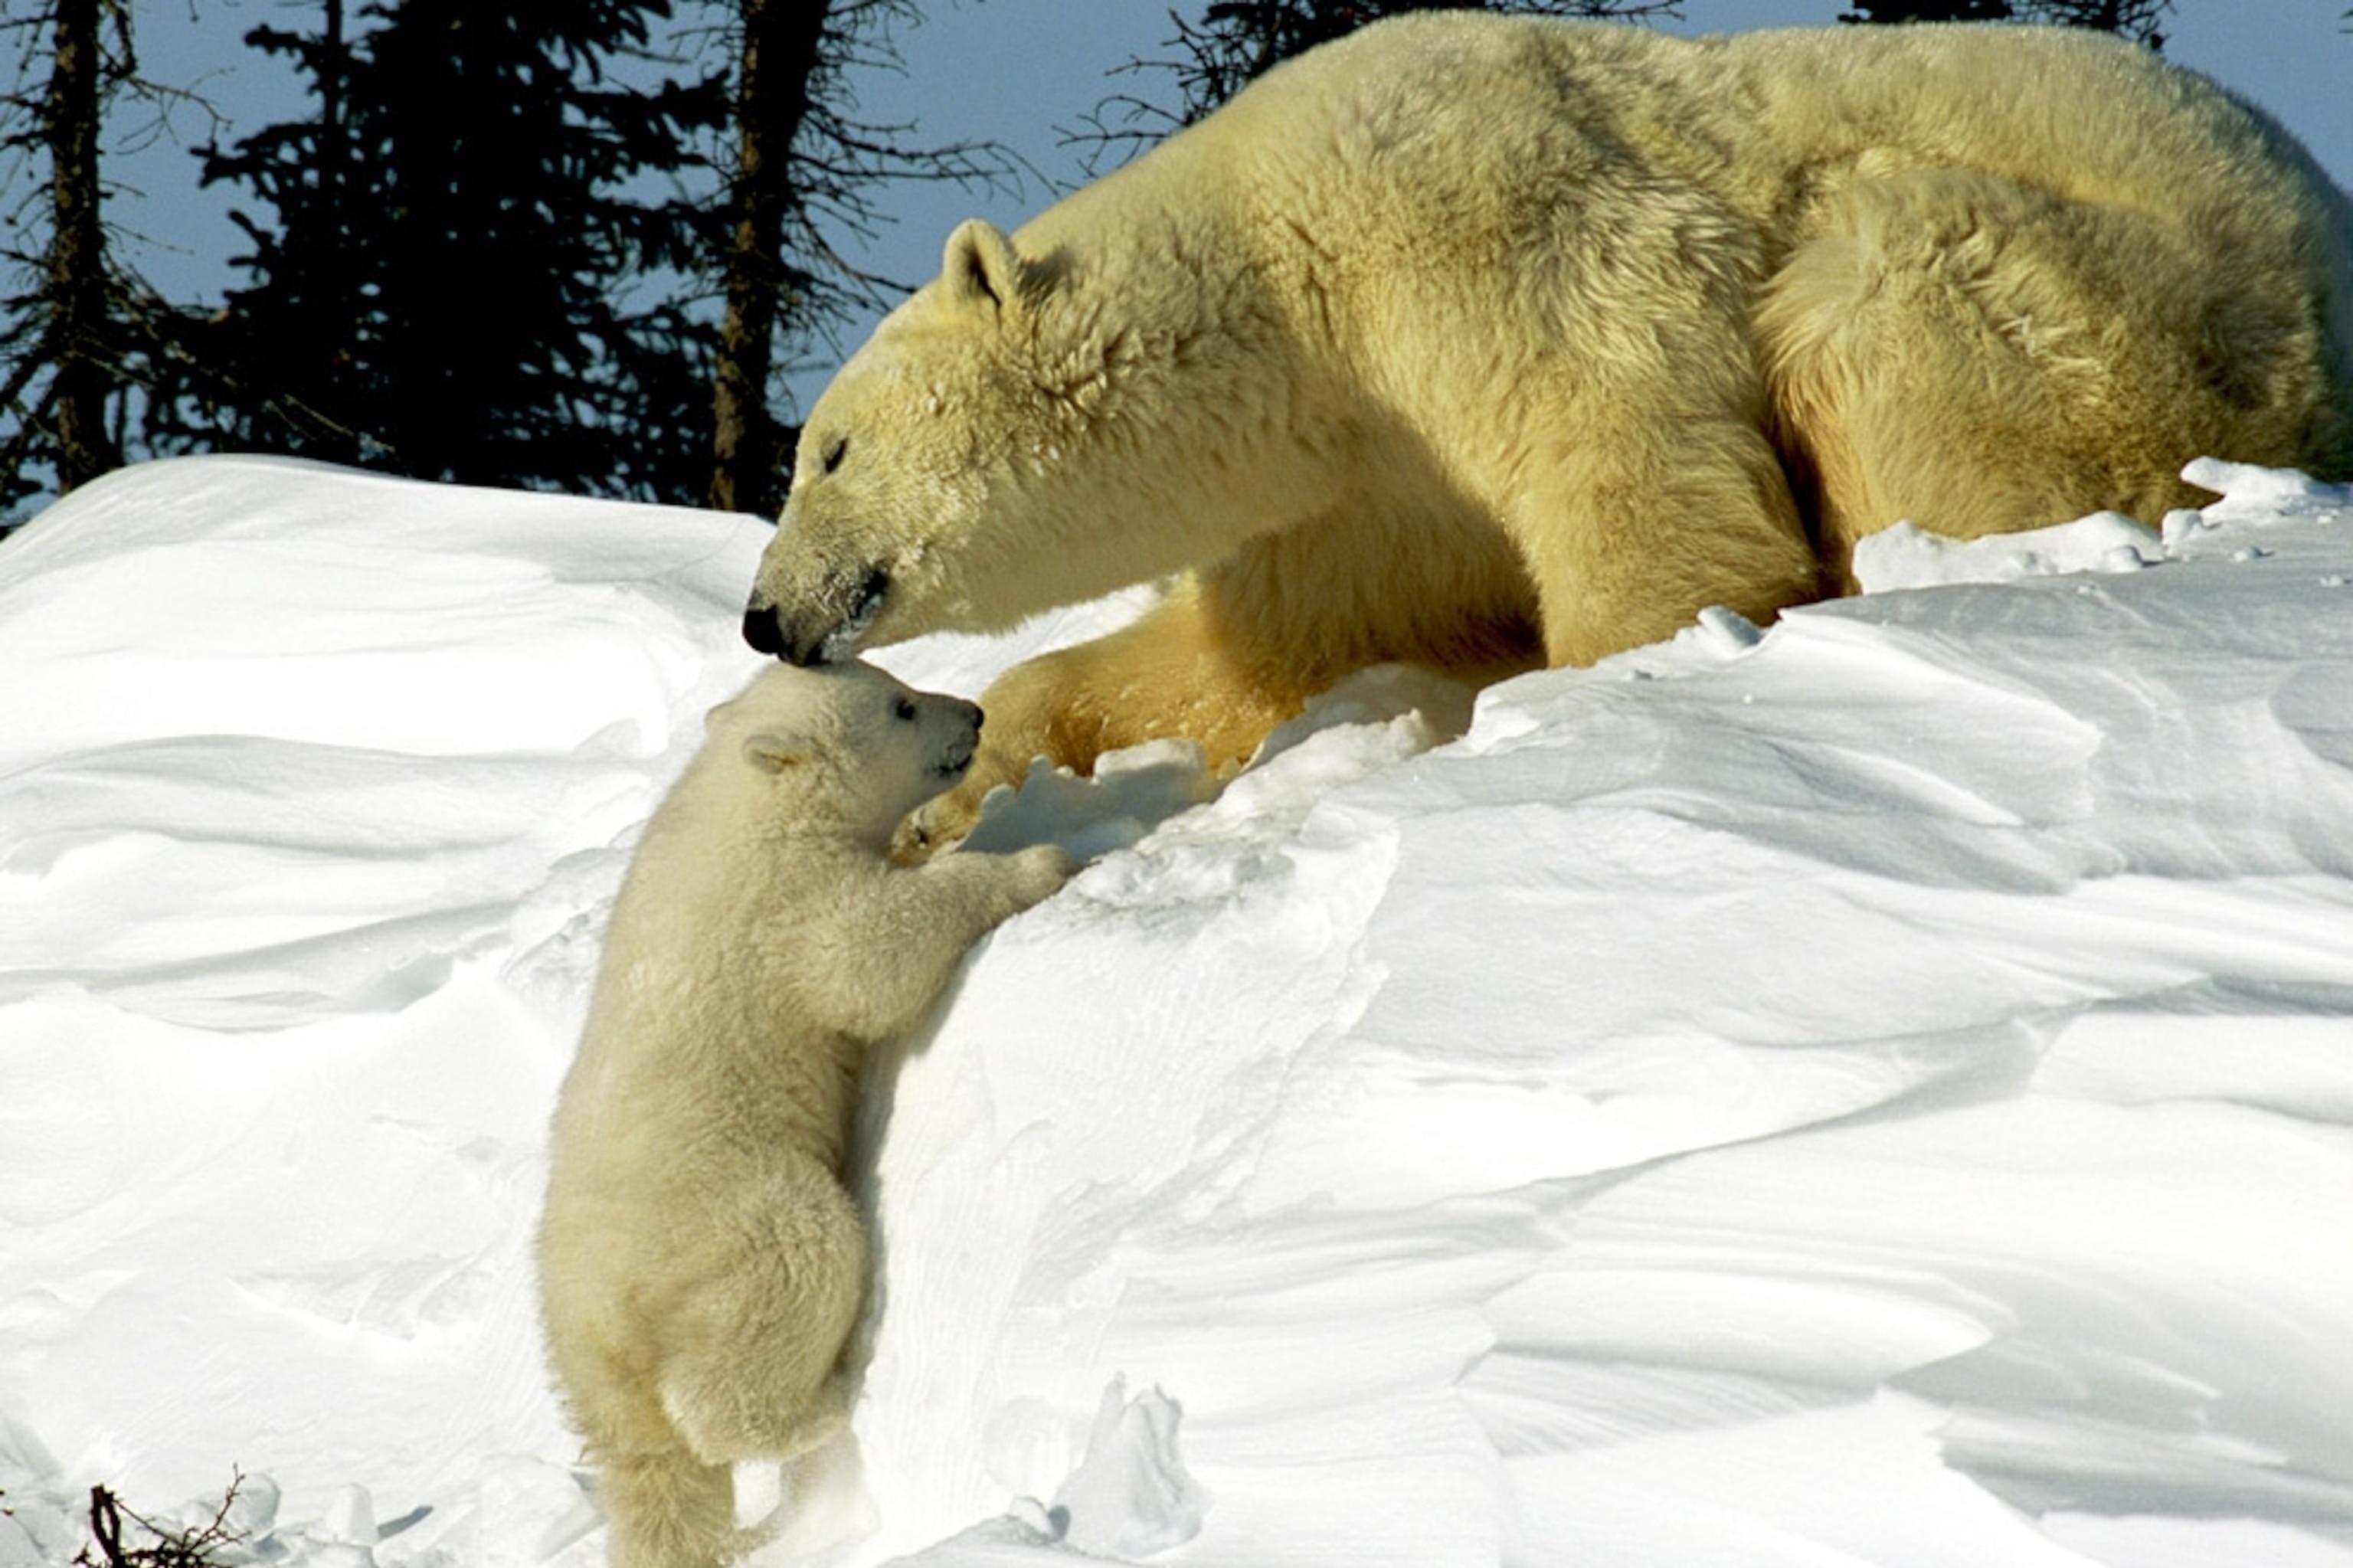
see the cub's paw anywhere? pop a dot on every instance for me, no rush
(1039, 871)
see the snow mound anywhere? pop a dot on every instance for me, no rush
(1875, 1089)
(2254, 499)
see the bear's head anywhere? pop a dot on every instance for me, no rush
(1021, 432)
(842, 746)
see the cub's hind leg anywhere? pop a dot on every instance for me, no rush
(751, 1368)
(666, 1508)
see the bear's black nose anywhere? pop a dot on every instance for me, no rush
(761, 629)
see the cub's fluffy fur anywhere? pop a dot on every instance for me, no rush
(700, 1265)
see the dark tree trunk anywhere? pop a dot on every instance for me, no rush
(781, 43)
(76, 260)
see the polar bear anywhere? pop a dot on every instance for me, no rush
(1481, 342)
(700, 1266)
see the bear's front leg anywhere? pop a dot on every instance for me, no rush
(1635, 532)
(1160, 676)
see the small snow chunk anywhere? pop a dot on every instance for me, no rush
(1726, 632)
(1423, 709)
(1132, 792)
(2246, 481)
(1907, 556)
(2180, 526)
(350, 1520)
(2255, 494)
(337, 1554)
(529, 1511)
(1131, 1496)
(1023, 1535)
(1029, 1515)
(2275, 505)
(2332, 579)
(2214, 474)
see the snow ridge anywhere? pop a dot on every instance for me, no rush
(1872, 1089)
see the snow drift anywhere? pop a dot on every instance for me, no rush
(1871, 1090)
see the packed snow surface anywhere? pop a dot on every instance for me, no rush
(1870, 1091)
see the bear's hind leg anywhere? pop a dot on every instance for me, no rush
(1979, 358)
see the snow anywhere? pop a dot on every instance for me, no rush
(1870, 1090)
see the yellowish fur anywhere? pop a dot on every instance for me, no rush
(1482, 342)
(700, 1266)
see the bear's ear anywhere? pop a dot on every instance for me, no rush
(775, 750)
(980, 266)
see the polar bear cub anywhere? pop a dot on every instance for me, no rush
(700, 1266)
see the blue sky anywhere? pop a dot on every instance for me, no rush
(1021, 72)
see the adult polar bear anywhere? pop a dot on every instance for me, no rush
(1473, 342)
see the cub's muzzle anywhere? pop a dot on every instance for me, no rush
(960, 755)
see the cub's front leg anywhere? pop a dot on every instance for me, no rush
(895, 942)
(993, 888)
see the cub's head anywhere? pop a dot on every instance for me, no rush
(848, 743)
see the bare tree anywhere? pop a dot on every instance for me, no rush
(779, 58)
(804, 168)
(82, 333)
(77, 262)
(63, 372)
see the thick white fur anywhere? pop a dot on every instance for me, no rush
(1482, 341)
(700, 1264)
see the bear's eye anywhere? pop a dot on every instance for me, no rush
(831, 458)
(906, 710)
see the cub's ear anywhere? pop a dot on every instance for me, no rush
(773, 751)
(980, 266)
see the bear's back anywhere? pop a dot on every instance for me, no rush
(2081, 113)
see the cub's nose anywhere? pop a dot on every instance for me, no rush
(973, 714)
(763, 631)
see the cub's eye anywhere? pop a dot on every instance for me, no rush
(906, 710)
(831, 457)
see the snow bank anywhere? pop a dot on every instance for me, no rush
(1874, 1090)
(315, 790)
